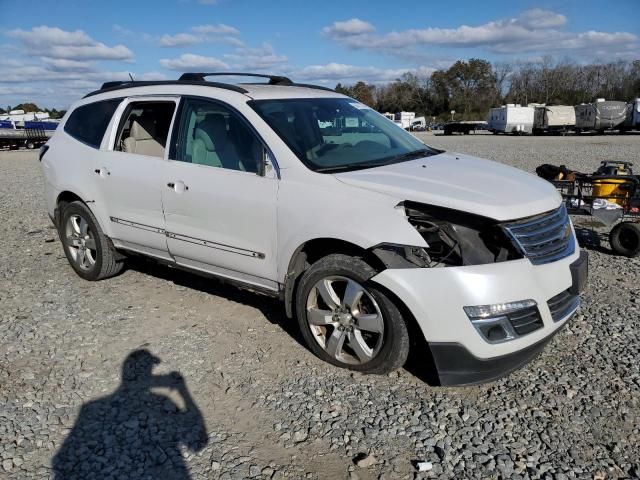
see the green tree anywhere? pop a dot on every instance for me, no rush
(27, 107)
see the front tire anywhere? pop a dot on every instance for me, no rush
(89, 252)
(349, 321)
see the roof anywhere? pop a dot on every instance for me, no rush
(276, 87)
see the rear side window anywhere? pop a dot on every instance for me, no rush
(88, 123)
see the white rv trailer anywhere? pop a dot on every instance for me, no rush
(511, 118)
(554, 118)
(600, 115)
(405, 119)
(632, 121)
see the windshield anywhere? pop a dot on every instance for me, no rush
(339, 134)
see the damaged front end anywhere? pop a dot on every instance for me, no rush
(453, 239)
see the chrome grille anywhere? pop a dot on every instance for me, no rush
(544, 238)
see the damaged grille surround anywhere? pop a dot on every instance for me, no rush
(456, 238)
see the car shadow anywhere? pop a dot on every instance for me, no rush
(134, 432)
(270, 307)
(420, 362)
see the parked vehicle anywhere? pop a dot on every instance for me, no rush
(600, 115)
(14, 138)
(554, 119)
(373, 240)
(464, 127)
(511, 118)
(419, 124)
(632, 120)
(405, 119)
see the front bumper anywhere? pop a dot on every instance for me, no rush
(455, 365)
(436, 298)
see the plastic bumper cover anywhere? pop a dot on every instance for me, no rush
(436, 298)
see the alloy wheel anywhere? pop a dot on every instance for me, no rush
(81, 242)
(345, 320)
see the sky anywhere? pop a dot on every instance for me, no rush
(56, 51)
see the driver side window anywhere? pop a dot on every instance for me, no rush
(212, 134)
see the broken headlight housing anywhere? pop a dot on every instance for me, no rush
(453, 238)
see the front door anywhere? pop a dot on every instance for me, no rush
(219, 199)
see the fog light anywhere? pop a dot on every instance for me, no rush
(492, 321)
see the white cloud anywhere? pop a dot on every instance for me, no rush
(539, 18)
(219, 33)
(340, 72)
(63, 64)
(355, 26)
(261, 58)
(179, 40)
(189, 61)
(219, 29)
(54, 42)
(533, 30)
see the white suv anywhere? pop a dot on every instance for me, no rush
(373, 240)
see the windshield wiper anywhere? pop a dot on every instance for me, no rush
(409, 155)
(349, 166)
(385, 161)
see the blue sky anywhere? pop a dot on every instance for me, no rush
(56, 51)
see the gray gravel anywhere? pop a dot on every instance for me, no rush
(235, 394)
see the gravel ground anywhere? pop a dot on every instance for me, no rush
(160, 374)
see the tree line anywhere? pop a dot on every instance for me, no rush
(472, 87)
(32, 107)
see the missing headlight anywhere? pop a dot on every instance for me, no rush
(457, 238)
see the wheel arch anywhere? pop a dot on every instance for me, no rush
(311, 251)
(67, 196)
(62, 199)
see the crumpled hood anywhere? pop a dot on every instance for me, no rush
(461, 182)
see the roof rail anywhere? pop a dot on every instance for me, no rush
(200, 77)
(195, 78)
(273, 79)
(111, 86)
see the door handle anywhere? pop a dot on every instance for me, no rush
(103, 172)
(178, 186)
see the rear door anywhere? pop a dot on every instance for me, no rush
(219, 197)
(129, 174)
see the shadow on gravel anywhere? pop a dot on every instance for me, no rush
(134, 432)
(593, 240)
(271, 308)
(420, 362)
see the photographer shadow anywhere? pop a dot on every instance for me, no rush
(134, 432)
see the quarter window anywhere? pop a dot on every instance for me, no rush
(145, 128)
(214, 135)
(87, 123)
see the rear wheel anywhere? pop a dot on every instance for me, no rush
(347, 320)
(88, 250)
(625, 239)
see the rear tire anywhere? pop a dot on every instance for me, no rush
(88, 250)
(349, 321)
(625, 239)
